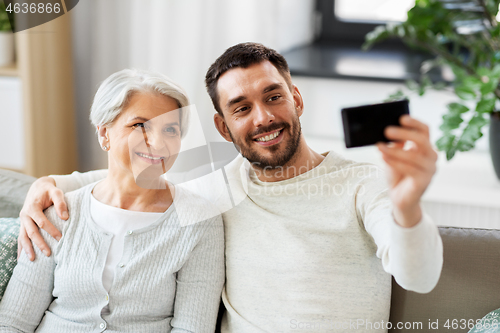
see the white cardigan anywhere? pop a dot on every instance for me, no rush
(171, 278)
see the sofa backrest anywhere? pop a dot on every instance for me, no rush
(13, 189)
(468, 289)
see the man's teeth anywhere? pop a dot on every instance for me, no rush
(269, 137)
(150, 157)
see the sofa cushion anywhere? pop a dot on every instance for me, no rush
(489, 324)
(468, 289)
(9, 230)
(13, 189)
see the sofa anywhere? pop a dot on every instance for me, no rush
(468, 289)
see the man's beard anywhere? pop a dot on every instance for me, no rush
(280, 158)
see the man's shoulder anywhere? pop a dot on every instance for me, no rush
(233, 168)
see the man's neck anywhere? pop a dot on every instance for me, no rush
(304, 160)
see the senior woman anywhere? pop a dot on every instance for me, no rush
(126, 262)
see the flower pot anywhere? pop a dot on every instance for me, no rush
(495, 141)
(6, 48)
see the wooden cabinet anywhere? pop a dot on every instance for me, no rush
(44, 135)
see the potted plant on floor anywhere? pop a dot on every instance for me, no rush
(464, 35)
(6, 38)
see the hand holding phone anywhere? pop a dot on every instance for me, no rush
(364, 125)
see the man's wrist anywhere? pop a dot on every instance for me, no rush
(409, 217)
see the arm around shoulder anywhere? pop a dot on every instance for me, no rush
(76, 180)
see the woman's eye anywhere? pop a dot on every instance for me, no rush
(138, 125)
(171, 130)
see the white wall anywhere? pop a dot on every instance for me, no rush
(324, 98)
(180, 38)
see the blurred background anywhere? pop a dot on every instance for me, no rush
(47, 91)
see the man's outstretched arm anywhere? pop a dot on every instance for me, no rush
(408, 241)
(42, 194)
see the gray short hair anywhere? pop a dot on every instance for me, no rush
(115, 91)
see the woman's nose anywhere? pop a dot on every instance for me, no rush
(154, 138)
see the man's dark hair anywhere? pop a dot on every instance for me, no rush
(243, 55)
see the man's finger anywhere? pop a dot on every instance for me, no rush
(34, 235)
(402, 167)
(408, 156)
(409, 122)
(60, 204)
(42, 222)
(24, 243)
(405, 134)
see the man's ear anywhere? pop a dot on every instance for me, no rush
(297, 99)
(102, 136)
(221, 126)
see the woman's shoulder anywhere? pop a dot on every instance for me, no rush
(192, 208)
(74, 200)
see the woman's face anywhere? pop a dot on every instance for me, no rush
(145, 138)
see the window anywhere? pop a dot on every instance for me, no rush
(373, 11)
(351, 20)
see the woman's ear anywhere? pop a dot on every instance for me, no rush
(220, 124)
(102, 136)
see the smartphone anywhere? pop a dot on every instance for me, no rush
(364, 125)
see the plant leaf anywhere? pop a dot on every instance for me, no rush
(451, 122)
(465, 93)
(495, 72)
(471, 133)
(489, 86)
(447, 143)
(457, 108)
(471, 82)
(397, 96)
(486, 105)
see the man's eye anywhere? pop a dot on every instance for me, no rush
(242, 109)
(274, 98)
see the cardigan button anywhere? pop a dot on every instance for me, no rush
(130, 232)
(102, 326)
(122, 265)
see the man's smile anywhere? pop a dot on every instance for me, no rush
(270, 138)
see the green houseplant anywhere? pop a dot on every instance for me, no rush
(464, 35)
(6, 38)
(4, 19)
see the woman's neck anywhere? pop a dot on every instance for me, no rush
(122, 191)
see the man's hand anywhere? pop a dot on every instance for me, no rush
(411, 167)
(42, 194)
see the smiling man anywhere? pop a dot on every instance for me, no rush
(315, 238)
(302, 247)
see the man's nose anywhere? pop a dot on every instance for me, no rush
(262, 115)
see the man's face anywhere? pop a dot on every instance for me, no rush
(261, 114)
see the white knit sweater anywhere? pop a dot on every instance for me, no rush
(170, 277)
(315, 253)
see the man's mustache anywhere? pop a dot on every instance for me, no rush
(267, 129)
